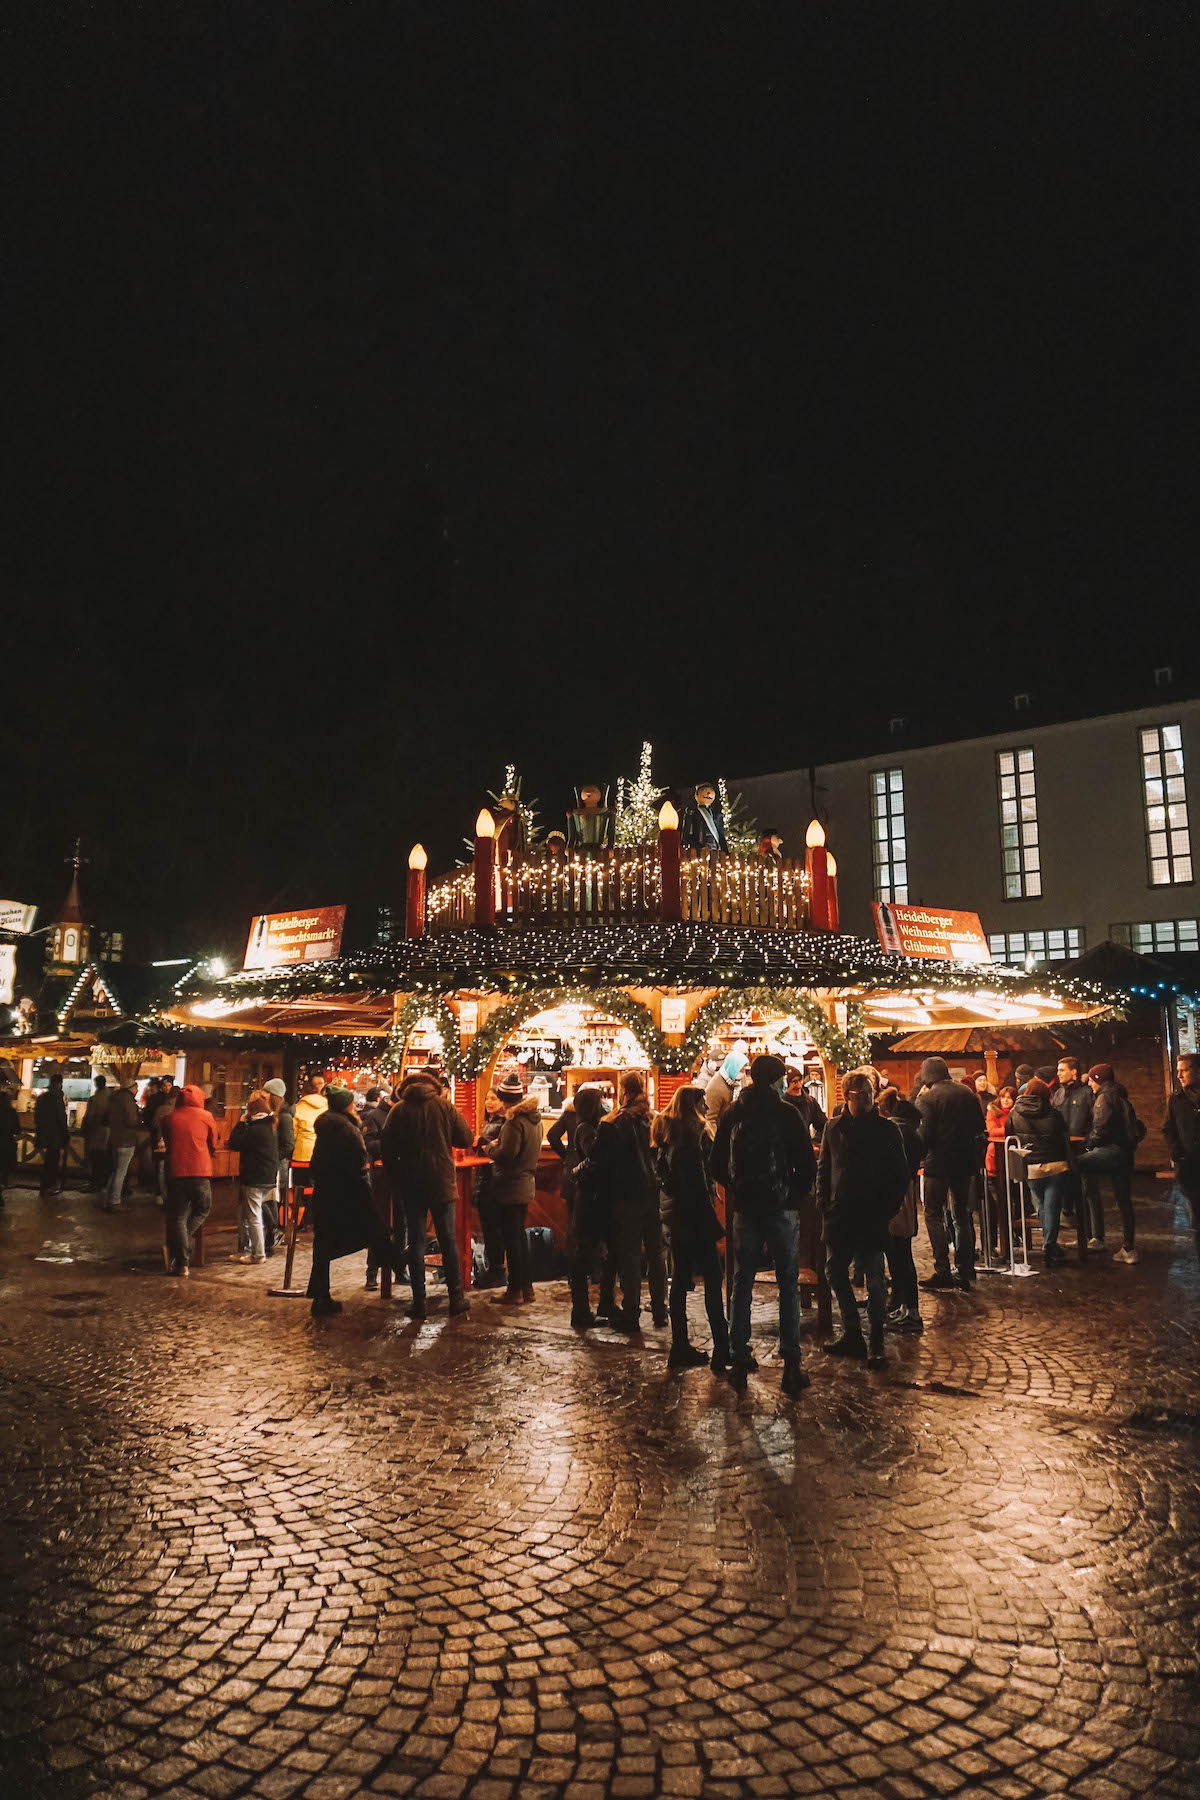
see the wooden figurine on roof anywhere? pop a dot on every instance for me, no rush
(704, 820)
(590, 825)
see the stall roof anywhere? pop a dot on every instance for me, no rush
(356, 992)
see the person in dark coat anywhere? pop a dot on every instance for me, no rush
(418, 1141)
(904, 1313)
(51, 1136)
(124, 1121)
(1040, 1128)
(628, 1191)
(862, 1178)
(1181, 1129)
(763, 1157)
(1072, 1097)
(255, 1137)
(704, 821)
(953, 1130)
(489, 1213)
(1110, 1151)
(587, 1230)
(806, 1105)
(343, 1212)
(95, 1136)
(10, 1131)
(689, 1215)
(373, 1118)
(514, 1155)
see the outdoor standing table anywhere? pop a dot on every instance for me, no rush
(465, 1165)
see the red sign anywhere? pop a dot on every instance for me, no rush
(294, 937)
(928, 931)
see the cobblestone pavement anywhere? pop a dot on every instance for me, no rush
(247, 1552)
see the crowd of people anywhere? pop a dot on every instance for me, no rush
(371, 1173)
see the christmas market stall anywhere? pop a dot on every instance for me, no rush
(571, 961)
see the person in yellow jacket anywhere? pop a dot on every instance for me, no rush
(311, 1104)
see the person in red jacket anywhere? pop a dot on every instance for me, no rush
(191, 1137)
(997, 1130)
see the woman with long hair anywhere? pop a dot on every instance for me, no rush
(689, 1216)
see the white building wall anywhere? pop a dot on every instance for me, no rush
(1090, 815)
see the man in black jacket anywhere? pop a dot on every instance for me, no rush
(625, 1172)
(1072, 1097)
(952, 1133)
(763, 1157)
(1181, 1128)
(862, 1178)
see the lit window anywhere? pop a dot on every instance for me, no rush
(890, 845)
(1168, 837)
(1152, 937)
(1020, 850)
(1018, 948)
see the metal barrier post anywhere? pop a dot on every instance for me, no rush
(1023, 1268)
(985, 1220)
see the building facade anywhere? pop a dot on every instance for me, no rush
(1059, 836)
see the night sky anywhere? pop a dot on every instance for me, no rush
(396, 391)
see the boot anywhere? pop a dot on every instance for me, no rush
(415, 1310)
(583, 1321)
(321, 1308)
(459, 1305)
(934, 1284)
(510, 1297)
(794, 1379)
(738, 1375)
(849, 1344)
(876, 1359)
(527, 1296)
(685, 1356)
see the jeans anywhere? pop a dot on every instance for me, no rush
(903, 1272)
(442, 1214)
(254, 1200)
(122, 1158)
(694, 1255)
(1115, 1161)
(189, 1202)
(636, 1224)
(780, 1234)
(160, 1173)
(1049, 1193)
(947, 1201)
(99, 1170)
(838, 1257)
(516, 1248)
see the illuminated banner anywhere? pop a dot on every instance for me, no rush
(294, 937)
(8, 972)
(16, 916)
(928, 931)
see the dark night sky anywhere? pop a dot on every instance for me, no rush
(404, 389)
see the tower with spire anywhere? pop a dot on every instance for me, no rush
(71, 936)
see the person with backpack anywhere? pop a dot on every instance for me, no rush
(763, 1157)
(627, 1194)
(417, 1144)
(862, 1178)
(1113, 1136)
(689, 1215)
(1181, 1129)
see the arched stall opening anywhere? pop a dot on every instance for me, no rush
(762, 1030)
(557, 1050)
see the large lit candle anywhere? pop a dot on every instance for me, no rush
(485, 869)
(669, 861)
(414, 908)
(831, 873)
(816, 861)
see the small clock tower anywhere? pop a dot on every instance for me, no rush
(70, 938)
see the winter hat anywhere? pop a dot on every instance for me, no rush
(512, 1087)
(276, 1087)
(340, 1099)
(767, 1071)
(934, 1069)
(1102, 1073)
(1023, 1073)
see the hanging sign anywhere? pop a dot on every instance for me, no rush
(674, 1015)
(928, 931)
(8, 972)
(16, 916)
(294, 937)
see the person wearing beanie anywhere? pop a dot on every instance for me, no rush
(1111, 1142)
(862, 1178)
(763, 1157)
(953, 1137)
(255, 1138)
(514, 1153)
(417, 1144)
(343, 1212)
(626, 1181)
(1041, 1129)
(308, 1109)
(1022, 1075)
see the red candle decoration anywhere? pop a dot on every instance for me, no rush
(485, 869)
(669, 861)
(831, 874)
(816, 861)
(414, 909)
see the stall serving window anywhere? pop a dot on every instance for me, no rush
(757, 1032)
(558, 1050)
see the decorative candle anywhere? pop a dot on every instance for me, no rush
(816, 861)
(832, 893)
(671, 902)
(485, 869)
(414, 910)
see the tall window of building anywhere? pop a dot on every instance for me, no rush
(1020, 947)
(1020, 851)
(891, 843)
(1149, 936)
(1168, 838)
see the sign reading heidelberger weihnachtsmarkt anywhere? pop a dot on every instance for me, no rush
(15, 916)
(928, 931)
(294, 937)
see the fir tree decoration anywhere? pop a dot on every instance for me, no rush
(638, 803)
(741, 831)
(528, 809)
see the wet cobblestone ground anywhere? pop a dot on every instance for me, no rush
(246, 1552)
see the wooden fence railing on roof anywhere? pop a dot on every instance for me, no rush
(563, 888)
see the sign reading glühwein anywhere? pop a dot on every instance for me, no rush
(294, 937)
(928, 931)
